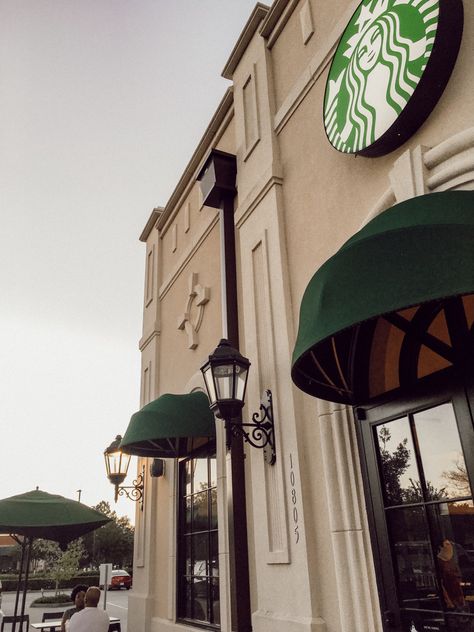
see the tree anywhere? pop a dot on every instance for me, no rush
(394, 465)
(66, 564)
(45, 551)
(457, 479)
(59, 565)
(112, 543)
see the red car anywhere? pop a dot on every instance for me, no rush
(120, 579)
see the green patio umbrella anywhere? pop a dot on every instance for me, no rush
(37, 514)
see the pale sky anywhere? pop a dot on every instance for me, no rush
(102, 103)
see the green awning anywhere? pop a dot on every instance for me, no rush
(419, 252)
(170, 426)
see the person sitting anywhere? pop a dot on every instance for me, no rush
(91, 618)
(78, 594)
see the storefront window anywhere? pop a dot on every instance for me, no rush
(424, 512)
(198, 561)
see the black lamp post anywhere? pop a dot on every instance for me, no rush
(116, 464)
(225, 376)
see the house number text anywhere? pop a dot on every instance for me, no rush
(294, 499)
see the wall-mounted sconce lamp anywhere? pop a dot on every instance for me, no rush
(116, 465)
(225, 375)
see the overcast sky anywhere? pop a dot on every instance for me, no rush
(102, 103)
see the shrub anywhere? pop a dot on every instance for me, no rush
(37, 583)
(60, 598)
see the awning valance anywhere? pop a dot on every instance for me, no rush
(392, 291)
(170, 426)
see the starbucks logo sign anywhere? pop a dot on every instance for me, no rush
(389, 70)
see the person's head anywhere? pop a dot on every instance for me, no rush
(92, 597)
(78, 594)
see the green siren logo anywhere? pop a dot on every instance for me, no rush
(390, 51)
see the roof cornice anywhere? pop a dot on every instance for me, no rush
(155, 214)
(277, 17)
(258, 14)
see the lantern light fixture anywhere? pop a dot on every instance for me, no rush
(116, 465)
(225, 376)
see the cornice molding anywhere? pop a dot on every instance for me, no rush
(276, 19)
(151, 222)
(148, 337)
(256, 17)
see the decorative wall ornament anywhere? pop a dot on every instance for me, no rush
(390, 68)
(190, 321)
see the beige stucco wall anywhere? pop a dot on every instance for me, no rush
(298, 201)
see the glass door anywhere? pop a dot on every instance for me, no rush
(419, 468)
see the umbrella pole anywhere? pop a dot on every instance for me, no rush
(25, 585)
(20, 576)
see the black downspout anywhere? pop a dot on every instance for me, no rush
(217, 180)
(236, 496)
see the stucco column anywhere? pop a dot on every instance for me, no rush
(357, 590)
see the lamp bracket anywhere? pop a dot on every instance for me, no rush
(262, 431)
(135, 491)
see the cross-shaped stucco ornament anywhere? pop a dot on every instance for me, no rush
(198, 296)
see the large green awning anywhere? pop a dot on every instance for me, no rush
(392, 305)
(170, 426)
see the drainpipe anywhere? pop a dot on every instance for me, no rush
(217, 180)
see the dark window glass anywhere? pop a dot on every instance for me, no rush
(185, 593)
(200, 598)
(201, 475)
(397, 460)
(452, 525)
(429, 515)
(413, 558)
(187, 513)
(441, 453)
(198, 559)
(187, 556)
(201, 511)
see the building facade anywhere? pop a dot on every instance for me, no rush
(353, 239)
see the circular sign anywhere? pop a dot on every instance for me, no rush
(389, 70)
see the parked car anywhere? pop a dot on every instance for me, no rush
(120, 579)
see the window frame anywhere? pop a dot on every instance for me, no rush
(208, 453)
(430, 392)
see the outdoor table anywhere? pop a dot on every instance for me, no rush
(56, 624)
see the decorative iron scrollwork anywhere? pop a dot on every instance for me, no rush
(133, 492)
(261, 432)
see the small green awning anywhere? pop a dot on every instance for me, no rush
(417, 253)
(170, 426)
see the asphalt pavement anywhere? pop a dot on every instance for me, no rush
(117, 605)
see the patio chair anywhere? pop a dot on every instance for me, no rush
(52, 616)
(47, 616)
(115, 627)
(8, 619)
